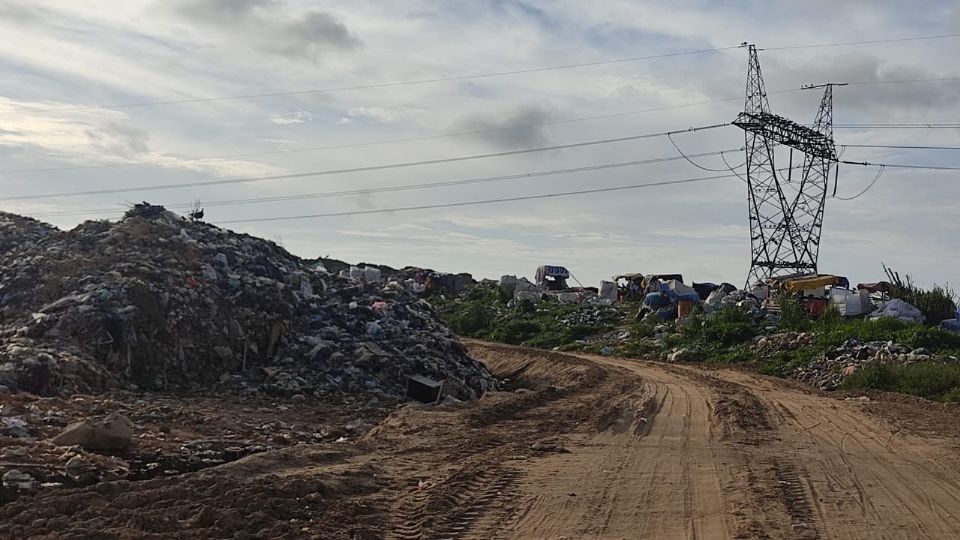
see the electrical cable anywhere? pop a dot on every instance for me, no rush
(897, 126)
(866, 189)
(733, 170)
(906, 147)
(453, 134)
(386, 189)
(902, 166)
(479, 202)
(369, 143)
(695, 164)
(405, 164)
(869, 42)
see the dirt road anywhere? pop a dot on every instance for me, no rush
(574, 447)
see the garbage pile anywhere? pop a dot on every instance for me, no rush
(156, 302)
(590, 315)
(786, 341)
(828, 371)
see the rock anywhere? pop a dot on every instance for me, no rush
(685, 355)
(112, 433)
(920, 352)
(17, 479)
(224, 353)
(549, 447)
(76, 467)
(14, 426)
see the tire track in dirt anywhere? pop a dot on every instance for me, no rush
(861, 479)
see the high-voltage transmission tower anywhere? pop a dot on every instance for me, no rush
(786, 212)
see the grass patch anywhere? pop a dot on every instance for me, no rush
(931, 380)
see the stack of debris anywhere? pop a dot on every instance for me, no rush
(155, 302)
(786, 341)
(828, 371)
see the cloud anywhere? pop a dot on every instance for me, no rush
(119, 139)
(518, 127)
(299, 116)
(19, 14)
(271, 26)
(379, 115)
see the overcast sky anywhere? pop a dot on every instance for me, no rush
(61, 59)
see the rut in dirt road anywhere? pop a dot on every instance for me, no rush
(732, 455)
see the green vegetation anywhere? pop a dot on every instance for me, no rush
(936, 304)
(727, 336)
(931, 380)
(484, 314)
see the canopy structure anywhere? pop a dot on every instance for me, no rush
(553, 277)
(649, 278)
(878, 287)
(797, 285)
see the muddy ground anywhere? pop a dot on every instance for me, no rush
(573, 447)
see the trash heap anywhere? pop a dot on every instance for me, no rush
(156, 302)
(828, 371)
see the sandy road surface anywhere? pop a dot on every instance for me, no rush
(575, 447)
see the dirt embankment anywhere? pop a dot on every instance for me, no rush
(574, 447)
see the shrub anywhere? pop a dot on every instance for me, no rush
(793, 316)
(474, 320)
(727, 327)
(936, 304)
(515, 332)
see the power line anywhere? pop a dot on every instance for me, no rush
(902, 166)
(906, 147)
(388, 84)
(480, 202)
(376, 143)
(694, 163)
(898, 126)
(904, 81)
(869, 42)
(472, 76)
(460, 134)
(406, 187)
(356, 169)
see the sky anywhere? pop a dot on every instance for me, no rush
(100, 95)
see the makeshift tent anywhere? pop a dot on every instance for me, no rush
(797, 285)
(676, 290)
(655, 301)
(878, 287)
(553, 277)
(661, 277)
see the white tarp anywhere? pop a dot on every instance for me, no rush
(850, 304)
(714, 301)
(608, 291)
(898, 309)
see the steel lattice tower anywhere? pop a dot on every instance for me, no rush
(786, 214)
